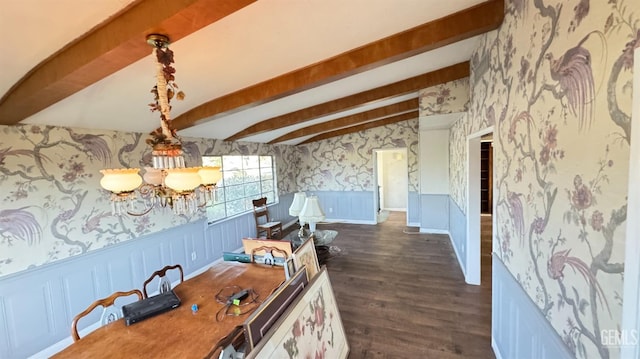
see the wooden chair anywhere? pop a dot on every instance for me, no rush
(272, 229)
(165, 284)
(109, 314)
(269, 257)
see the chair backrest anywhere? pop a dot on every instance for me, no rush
(165, 283)
(268, 254)
(109, 314)
(260, 210)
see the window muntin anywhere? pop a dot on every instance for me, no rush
(244, 178)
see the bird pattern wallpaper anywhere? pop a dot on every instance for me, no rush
(555, 82)
(52, 206)
(451, 97)
(345, 163)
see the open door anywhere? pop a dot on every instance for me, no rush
(391, 187)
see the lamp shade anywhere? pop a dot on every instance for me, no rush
(210, 175)
(311, 212)
(297, 204)
(120, 180)
(182, 179)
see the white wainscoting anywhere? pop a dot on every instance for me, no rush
(38, 305)
(458, 233)
(518, 328)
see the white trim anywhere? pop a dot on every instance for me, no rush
(496, 350)
(376, 186)
(630, 312)
(349, 221)
(435, 231)
(460, 263)
(395, 209)
(413, 224)
(289, 224)
(473, 206)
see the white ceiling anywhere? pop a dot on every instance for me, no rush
(261, 41)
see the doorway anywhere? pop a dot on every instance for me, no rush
(391, 182)
(474, 199)
(486, 174)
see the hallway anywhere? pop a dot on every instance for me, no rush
(402, 294)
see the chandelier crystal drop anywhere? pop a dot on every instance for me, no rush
(169, 182)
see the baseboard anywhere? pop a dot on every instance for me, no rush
(455, 249)
(348, 221)
(413, 224)
(496, 350)
(289, 224)
(435, 231)
(395, 209)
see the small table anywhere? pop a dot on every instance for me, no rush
(179, 333)
(321, 239)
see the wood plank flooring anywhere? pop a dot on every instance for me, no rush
(401, 294)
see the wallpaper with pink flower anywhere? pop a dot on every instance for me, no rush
(555, 81)
(345, 163)
(451, 97)
(51, 203)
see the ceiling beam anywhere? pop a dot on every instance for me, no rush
(464, 24)
(351, 120)
(108, 48)
(441, 76)
(365, 126)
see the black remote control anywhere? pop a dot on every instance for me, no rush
(239, 296)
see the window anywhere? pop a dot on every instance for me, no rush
(244, 178)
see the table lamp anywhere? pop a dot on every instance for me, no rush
(311, 212)
(296, 208)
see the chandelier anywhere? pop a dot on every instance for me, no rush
(169, 183)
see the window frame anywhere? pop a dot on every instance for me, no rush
(247, 176)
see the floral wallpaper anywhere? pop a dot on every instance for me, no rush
(555, 81)
(345, 163)
(52, 205)
(451, 97)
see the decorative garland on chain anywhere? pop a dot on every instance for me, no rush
(163, 92)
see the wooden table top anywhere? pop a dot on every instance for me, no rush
(179, 333)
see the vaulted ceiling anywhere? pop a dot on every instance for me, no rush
(269, 71)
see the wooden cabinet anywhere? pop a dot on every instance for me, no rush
(486, 176)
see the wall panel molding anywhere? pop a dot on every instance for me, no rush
(38, 305)
(518, 328)
(458, 233)
(347, 206)
(434, 209)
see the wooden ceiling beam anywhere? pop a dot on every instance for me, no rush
(108, 48)
(441, 76)
(464, 24)
(366, 126)
(351, 120)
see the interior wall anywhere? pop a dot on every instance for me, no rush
(434, 161)
(562, 149)
(53, 206)
(345, 163)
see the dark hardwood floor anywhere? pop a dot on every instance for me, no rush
(401, 294)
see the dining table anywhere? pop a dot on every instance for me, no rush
(184, 332)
